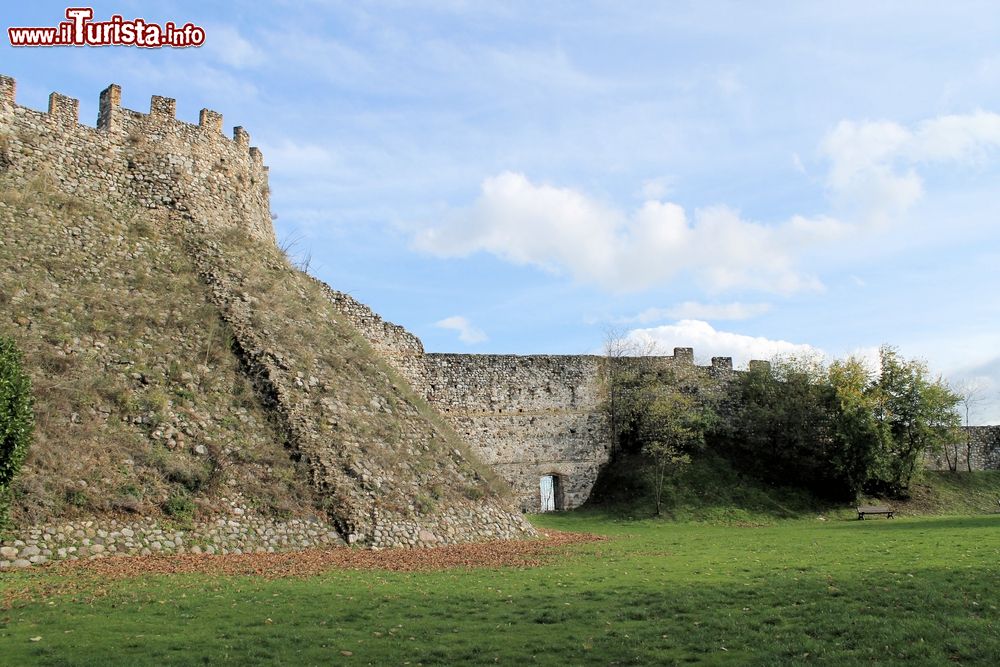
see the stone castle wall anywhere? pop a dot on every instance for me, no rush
(984, 451)
(397, 345)
(130, 157)
(373, 454)
(529, 416)
(526, 416)
(237, 533)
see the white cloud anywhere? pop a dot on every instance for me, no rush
(692, 310)
(656, 188)
(467, 333)
(231, 48)
(872, 173)
(563, 230)
(966, 137)
(873, 163)
(862, 174)
(709, 342)
(797, 163)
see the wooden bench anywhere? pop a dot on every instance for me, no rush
(864, 510)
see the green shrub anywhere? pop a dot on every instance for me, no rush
(424, 504)
(179, 507)
(473, 492)
(77, 498)
(16, 419)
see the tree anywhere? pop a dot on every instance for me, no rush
(16, 419)
(784, 426)
(856, 430)
(842, 428)
(970, 395)
(915, 414)
(672, 426)
(625, 369)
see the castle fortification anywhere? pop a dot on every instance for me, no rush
(540, 415)
(386, 469)
(528, 417)
(153, 160)
(394, 472)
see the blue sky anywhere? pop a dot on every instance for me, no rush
(742, 178)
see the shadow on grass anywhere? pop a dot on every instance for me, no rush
(709, 489)
(594, 612)
(923, 523)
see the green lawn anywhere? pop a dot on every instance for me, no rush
(914, 590)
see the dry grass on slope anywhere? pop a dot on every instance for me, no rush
(364, 418)
(140, 404)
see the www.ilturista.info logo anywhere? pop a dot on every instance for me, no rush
(80, 30)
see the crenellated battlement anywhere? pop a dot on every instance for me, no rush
(152, 159)
(64, 110)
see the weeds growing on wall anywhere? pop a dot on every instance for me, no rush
(138, 396)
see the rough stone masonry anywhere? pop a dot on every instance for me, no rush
(526, 416)
(540, 415)
(211, 187)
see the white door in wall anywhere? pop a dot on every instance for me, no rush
(547, 488)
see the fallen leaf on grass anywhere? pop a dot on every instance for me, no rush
(89, 577)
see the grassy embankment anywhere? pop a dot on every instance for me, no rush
(713, 491)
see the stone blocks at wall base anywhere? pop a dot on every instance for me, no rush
(476, 521)
(243, 533)
(101, 538)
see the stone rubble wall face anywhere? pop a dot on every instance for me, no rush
(985, 450)
(526, 417)
(341, 469)
(99, 538)
(154, 161)
(403, 350)
(530, 416)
